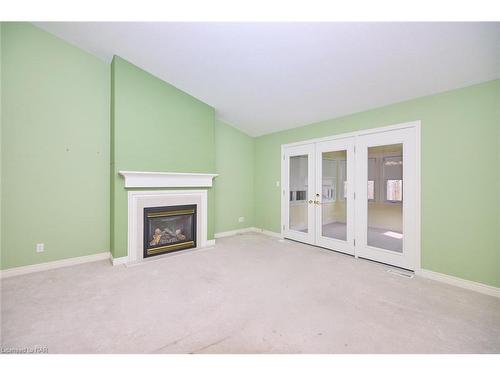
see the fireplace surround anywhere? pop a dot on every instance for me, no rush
(150, 197)
(138, 200)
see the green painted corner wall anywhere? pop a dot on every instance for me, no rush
(62, 142)
(155, 127)
(54, 148)
(460, 232)
(234, 187)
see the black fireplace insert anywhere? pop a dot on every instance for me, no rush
(168, 229)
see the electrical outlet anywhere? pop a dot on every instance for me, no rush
(40, 247)
(241, 219)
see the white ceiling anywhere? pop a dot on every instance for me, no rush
(265, 77)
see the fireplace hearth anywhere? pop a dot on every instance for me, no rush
(168, 229)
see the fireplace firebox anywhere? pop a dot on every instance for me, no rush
(168, 229)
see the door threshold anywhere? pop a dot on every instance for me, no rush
(392, 268)
(396, 268)
(320, 247)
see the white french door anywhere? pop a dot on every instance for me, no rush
(318, 189)
(299, 187)
(334, 196)
(357, 194)
(386, 174)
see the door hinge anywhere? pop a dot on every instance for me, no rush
(354, 242)
(283, 227)
(354, 195)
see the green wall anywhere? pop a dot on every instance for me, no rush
(460, 175)
(56, 141)
(54, 146)
(234, 187)
(155, 127)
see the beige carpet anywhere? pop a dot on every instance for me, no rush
(249, 294)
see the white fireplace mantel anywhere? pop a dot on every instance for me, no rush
(138, 200)
(135, 179)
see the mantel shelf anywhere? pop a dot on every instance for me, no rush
(139, 179)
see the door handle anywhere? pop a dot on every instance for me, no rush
(316, 201)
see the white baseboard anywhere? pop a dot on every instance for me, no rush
(462, 283)
(270, 233)
(54, 264)
(117, 261)
(247, 230)
(235, 232)
(210, 243)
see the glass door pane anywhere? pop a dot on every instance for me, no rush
(298, 205)
(334, 195)
(385, 197)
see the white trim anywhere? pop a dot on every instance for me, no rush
(284, 191)
(418, 189)
(272, 234)
(135, 216)
(248, 230)
(118, 261)
(235, 232)
(462, 283)
(54, 264)
(210, 243)
(269, 233)
(136, 179)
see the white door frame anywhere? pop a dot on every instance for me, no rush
(413, 124)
